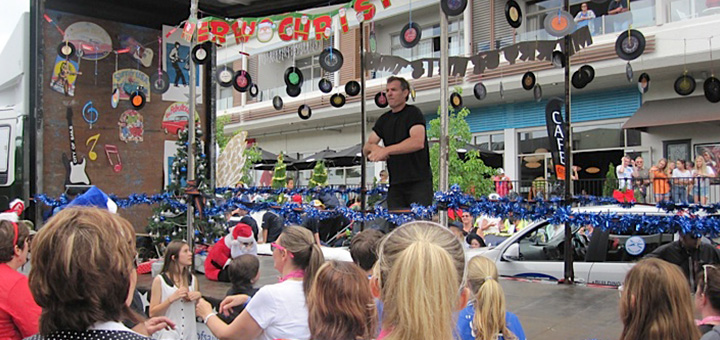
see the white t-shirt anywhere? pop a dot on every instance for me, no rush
(704, 181)
(494, 222)
(281, 312)
(624, 178)
(677, 173)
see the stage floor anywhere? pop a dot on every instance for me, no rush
(547, 311)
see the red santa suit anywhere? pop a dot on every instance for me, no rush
(239, 241)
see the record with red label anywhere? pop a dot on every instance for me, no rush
(242, 81)
(381, 100)
(410, 35)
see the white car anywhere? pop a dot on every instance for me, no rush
(601, 258)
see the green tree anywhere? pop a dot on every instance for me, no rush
(319, 175)
(473, 176)
(279, 178)
(610, 181)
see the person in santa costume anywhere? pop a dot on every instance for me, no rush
(239, 241)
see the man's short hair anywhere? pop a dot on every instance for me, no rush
(363, 248)
(243, 269)
(404, 85)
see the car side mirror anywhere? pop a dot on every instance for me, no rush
(512, 253)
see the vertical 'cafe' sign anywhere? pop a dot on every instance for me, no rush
(556, 133)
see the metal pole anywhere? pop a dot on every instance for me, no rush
(363, 126)
(444, 119)
(567, 150)
(191, 132)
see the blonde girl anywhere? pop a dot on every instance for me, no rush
(174, 293)
(485, 318)
(419, 277)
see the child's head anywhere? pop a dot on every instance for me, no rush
(363, 248)
(489, 299)
(244, 270)
(419, 276)
(340, 304)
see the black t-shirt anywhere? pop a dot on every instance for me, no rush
(615, 4)
(311, 223)
(273, 224)
(247, 219)
(394, 128)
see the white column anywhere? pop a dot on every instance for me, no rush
(467, 29)
(511, 154)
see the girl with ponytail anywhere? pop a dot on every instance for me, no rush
(279, 310)
(485, 318)
(419, 277)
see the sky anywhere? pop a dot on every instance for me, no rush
(11, 10)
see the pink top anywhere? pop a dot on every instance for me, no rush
(383, 334)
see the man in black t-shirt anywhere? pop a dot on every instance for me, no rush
(402, 130)
(272, 226)
(618, 7)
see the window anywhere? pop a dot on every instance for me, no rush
(491, 142)
(545, 243)
(531, 141)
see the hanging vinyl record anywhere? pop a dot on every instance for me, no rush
(325, 85)
(201, 53)
(711, 87)
(115, 99)
(502, 91)
(352, 88)
(337, 100)
(277, 103)
(137, 99)
(455, 100)
(513, 13)
(589, 72)
(225, 77)
(331, 60)
(630, 44)
(304, 112)
(559, 24)
(372, 42)
(253, 90)
(159, 82)
(579, 79)
(528, 81)
(558, 59)
(293, 91)
(293, 76)
(410, 35)
(453, 7)
(685, 85)
(480, 91)
(629, 73)
(537, 93)
(66, 49)
(242, 81)
(644, 83)
(381, 100)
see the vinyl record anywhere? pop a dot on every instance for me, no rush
(502, 91)
(277, 103)
(225, 77)
(337, 100)
(159, 82)
(559, 24)
(115, 99)
(253, 90)
(455, 100)
(137, 99)
(685, 85)
(513, 13)
(644, 83)
(372, 42)
(579, 79)
(66, 49)
(558, 59)
(352, 88)
(410, 35)
(589, 71)
(537, 93)
(293, 91)
(453, 7)
(293, 76)
(242, 81)
(528, 81)
(331, 60)
(381, 100)
(304, 112)
(630, 44)
(711, 86)
(325, 85)
(480, 91)
(201, 53)
(629, 74)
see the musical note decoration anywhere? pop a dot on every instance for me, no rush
(91, 153)
(113, 150)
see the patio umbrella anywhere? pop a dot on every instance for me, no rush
(268, 159)
(490, 158)
(309, 161)
(347, 157)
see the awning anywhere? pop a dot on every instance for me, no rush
(674, 111)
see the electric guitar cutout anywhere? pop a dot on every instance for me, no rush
(75, 170)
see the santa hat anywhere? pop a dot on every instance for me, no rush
(242, 233)
(94, 197)
(16, 209)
